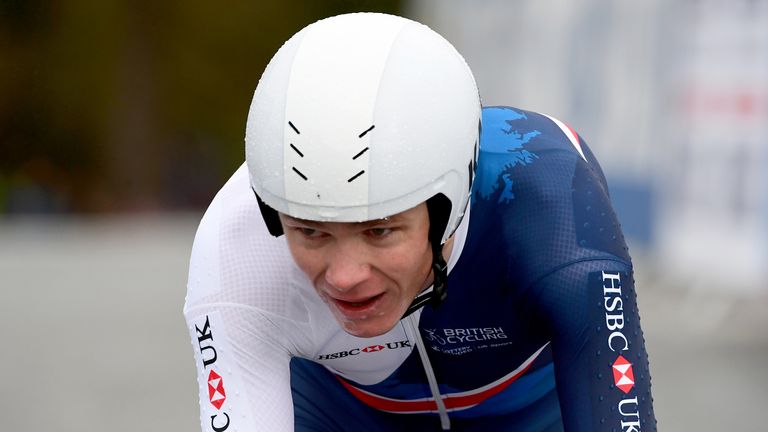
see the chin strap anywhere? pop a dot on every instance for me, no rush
(435, 293)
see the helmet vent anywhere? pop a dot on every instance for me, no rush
(297, 150)
(305, 177)
(365, 131)
(351, 178)
(360, 154)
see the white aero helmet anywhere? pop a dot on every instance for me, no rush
(362, 116)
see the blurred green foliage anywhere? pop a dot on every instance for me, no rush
(114, 106)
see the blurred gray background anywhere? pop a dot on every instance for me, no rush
(120, 120)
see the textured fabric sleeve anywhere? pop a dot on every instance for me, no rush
(243, 378)
(242, 322)
(601, 365)
(583, 291)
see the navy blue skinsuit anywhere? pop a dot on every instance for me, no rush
(544, 267)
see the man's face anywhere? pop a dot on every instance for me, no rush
(368, 273)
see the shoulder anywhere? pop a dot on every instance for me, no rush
(539, 185)
(523, 152)
(516, 133)
(234, 258)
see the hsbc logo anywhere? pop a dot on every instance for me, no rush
(216, 393)
(623, 375)
(368, 349)
(614, 315)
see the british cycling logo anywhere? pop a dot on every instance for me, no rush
(369, 349)
(216, 393)
(623, 375)
(446, 340)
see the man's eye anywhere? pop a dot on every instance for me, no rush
(309, 232)
(379, 232)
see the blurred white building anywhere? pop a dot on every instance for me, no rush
(672, 96)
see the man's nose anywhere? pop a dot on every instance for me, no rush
(347, 268)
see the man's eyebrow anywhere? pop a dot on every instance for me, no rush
(384, 220)
(299, 220)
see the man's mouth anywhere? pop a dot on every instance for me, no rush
(358, 305)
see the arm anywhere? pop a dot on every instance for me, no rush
(601, 366)
(243, 379)
(236, 312)
(589, 304)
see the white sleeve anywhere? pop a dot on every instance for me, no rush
(243, 380)
(242, 316)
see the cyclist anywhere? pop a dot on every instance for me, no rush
(392, 256)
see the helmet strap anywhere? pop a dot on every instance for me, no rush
(435, 293)
(439, 207)
(271, 217)
(440, 273)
